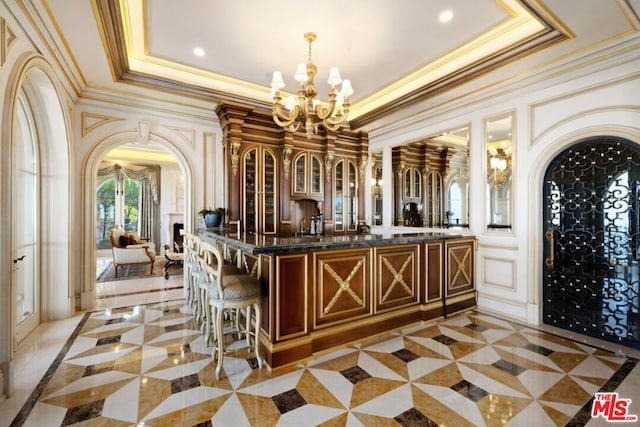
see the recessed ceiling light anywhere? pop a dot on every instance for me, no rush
(198, 51)
(445, 16)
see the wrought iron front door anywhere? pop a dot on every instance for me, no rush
(591, 232)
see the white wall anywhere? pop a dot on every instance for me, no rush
(600, 98)
(193, 137)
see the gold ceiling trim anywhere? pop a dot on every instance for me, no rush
(111, 16)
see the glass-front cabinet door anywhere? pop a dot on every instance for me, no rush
(250, 169)
(260, 191)
(316, 176)
(353, 199)
(345, 196)
(307, 176)
(269, 193)
(338, 191)
(300, 175)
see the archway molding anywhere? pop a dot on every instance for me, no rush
(34, 76)
(618, 124)
(90, 168)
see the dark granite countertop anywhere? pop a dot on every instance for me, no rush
(261, 244)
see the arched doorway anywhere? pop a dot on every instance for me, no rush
(40, 281)
(591, 225)
(121, 148)
(35, 206)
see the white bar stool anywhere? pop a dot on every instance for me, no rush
(231, 292)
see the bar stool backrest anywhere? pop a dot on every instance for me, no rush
(211, 262)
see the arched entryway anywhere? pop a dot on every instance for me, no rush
(591, 226)
(90, 173)
(36, 208)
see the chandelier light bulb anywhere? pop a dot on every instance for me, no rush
(334, 76)
(306, 112)
(347, 90)
(301, 73)
(277, 83)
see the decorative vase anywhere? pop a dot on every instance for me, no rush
(212, 220)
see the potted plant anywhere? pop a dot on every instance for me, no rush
(212, 217)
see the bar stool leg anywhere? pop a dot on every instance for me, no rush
(247, 326)
(257, 334)
(219, 340)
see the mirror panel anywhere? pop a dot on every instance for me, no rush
(431, 180)
(376, 188)
(499, 152)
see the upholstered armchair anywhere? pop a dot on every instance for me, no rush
(128, 249)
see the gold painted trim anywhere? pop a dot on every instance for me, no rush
(187, 134)
(281, 287)
(441, 271)
(532, 108)
(7, 38)
(514, 274)
(483, 245)
(62, 37)
(461, 297)
(100, 120)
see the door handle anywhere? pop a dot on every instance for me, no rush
(550, 237)
(19, 259)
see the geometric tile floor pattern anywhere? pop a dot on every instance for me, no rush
(149, 366)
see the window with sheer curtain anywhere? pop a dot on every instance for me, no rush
(127, 196)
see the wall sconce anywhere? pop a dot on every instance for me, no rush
(499, 163)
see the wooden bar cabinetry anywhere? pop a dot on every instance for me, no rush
(319, 292)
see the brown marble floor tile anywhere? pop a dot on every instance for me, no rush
(339, 421)
(259, 410)
(92, 394)
(191, 415)
(152, 393)
(392, 362)
(559, 418)
(499, 375)
(371, 388)
(497, 409)
(462, 349)
(445, 377)
(374, 420)
(523, 361)
(567, 361)
(566, 391)
(130, 362)
(315, 393)
(340, 363)
(432, 408)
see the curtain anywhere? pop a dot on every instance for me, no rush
(148, 208)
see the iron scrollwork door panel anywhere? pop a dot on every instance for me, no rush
(591, 236)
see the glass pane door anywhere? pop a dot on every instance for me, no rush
(316, 175)
(130, 204)
(250, 194)
(353, 179)
(269, 194)
(300, 176)
(339, 196)
(25, 253)
(105, 213)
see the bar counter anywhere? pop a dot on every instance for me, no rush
(323, 291)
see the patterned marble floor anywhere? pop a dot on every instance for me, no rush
(149, 366)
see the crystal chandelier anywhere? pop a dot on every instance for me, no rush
(306, 112)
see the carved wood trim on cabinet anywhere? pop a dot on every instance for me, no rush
(397, 276)
(291, 296)
(342, 286)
